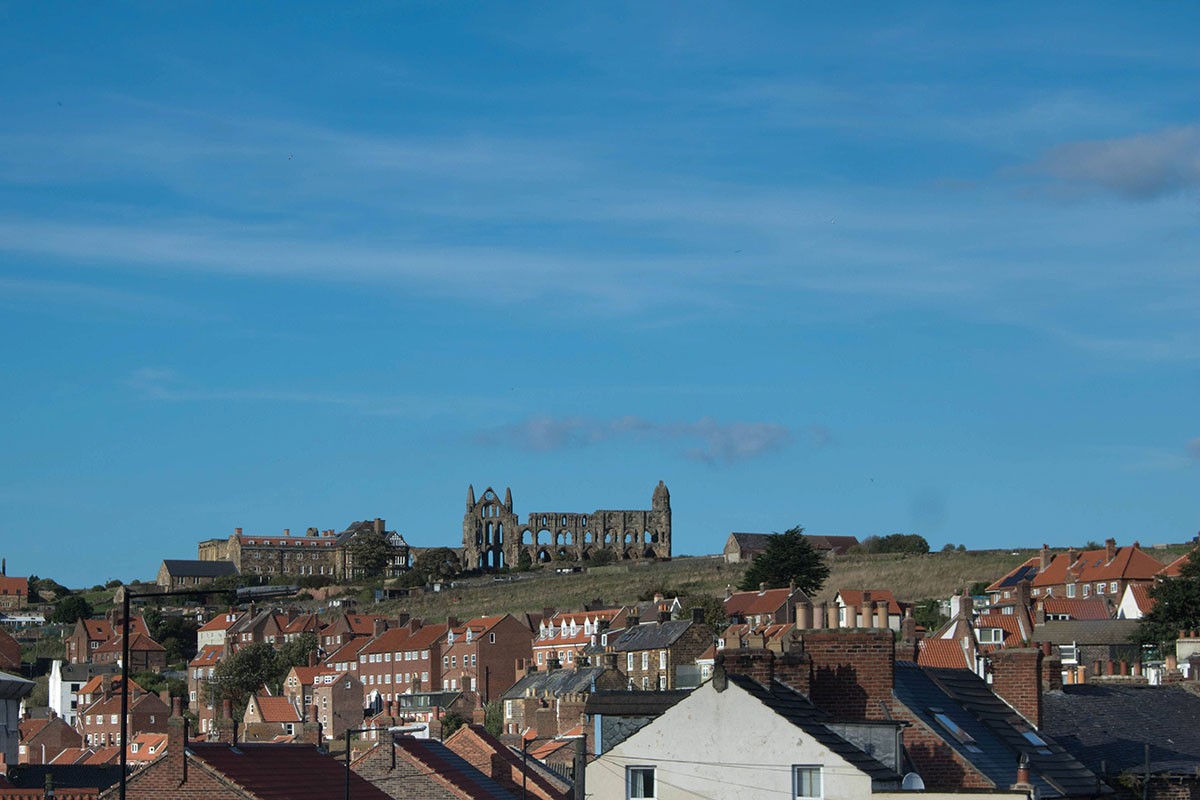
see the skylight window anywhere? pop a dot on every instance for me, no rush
(1042, 746)
(955, 730)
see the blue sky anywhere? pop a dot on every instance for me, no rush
(868, 270)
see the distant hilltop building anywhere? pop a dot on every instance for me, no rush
(314, 553)
(741, 547)
(494, 537)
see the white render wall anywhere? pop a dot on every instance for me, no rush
(722, 745)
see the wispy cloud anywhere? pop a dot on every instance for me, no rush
(1143, 167)
(705, 440)
(1193, 448)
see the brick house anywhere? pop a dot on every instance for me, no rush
(481, 656)
(89, 634)
(10, 653)
(200, 671)
(337, 698)
(349, 626)
(550, 702)
(268, 718)
(213, 632)
(184, 574)
(345, 658)
(14, 593)
(566, 634)
(100, 722)
(656, 655)
(43, 739)
(1089, 573)
(397, 661)
(764, 607)
(145, 654)
(249, 771)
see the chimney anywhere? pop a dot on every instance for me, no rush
(552, 663)
(794, 669)
(908, 628)
(287, 531)
(545, 722)
(1052, 678)
(804, 615)
(378, 525)
(1072, 557)
(4, 566)
(1110, 549)
(633, 618)
(312, 658)
(658, 597)
(852, 672)
(380, 626)
(728, 591)
(1044, 558)
(1017, 680)
(177, 742)
(1023, 784)
(602, 625)
(452, 622)
(757, 664)
(762, 586)
(881, 614)
(698, 615)
(1023, 593)
(106, 685)
(415, 624)
(663, 616)
(831, 615)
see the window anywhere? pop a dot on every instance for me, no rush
(806, 782)
(991, 635)
(639, 782)
(628, 661)
(1112, 588)
(1070, 590)
(491, 638)
(1087, 590)
(1099, 588)
(951, 727)
(645, 659)
(662, 659)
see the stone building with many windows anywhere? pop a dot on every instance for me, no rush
(315, 553)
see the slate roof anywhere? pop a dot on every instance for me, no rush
(555, 683)
(997, 732)
(33, 776)
(751, 541)
(13, 687)
(1087, 631)
(1113, 723)
(283, 771)
(796, 709)
(633, 704)
(190, 568)
(650, 636)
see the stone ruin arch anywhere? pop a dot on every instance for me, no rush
(494, 536)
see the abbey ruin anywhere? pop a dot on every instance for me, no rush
(494, 537)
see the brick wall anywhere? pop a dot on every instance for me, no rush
(1017, 680)
(851, 672)
(938, 764)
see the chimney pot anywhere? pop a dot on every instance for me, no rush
(238, 531)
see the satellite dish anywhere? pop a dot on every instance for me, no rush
(912, 783)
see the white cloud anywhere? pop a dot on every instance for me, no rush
(1143, 167)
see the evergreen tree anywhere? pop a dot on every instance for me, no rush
(788, 557)
(1176, 605)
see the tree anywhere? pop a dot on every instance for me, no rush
(175, 632)
(714, 609)
(912, 543)
(243, 673)
(928, 614)
(1176, 605)
(452, 722)
(371, 552)
(437, 563)
(787, 557)
(71, 608)
(296, 652)
(948, 547)
(602, 558)
(493, 718)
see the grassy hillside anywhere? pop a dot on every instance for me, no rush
(910, 578)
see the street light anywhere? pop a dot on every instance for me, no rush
(242, 592)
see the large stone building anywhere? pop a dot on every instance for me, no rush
(315, 553)
(493, 535)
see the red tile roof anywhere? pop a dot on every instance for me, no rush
(1078, 607)
(1174, 569)
(222, 621)
(1141, 596)
(14, 586)
(208, 656)
(275, 709)
(1014, 636)
(271, 771)
(397, 640)
(347, 653)
(941, 653)
(764, 602)
(93, 685)
(1129, 563)
(138, 642)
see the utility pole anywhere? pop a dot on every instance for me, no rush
(580, 763)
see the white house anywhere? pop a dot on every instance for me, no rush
(732, 738)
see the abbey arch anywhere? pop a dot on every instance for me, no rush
(493, 535)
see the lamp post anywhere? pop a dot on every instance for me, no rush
(243, 593)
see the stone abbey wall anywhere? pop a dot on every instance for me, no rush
(494, 536)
